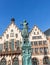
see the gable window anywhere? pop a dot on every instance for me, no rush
(11, 30)
(7, 36)
(16, 35)
(33, 37)
(37, 32)
(36, 37)
(35, 29)
(11, 34)
(39, 37)
(34, 33)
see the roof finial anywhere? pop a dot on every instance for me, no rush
(12, 20)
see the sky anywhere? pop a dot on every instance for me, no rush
(36, 12)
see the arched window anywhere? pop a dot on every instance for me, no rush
(35, 61)
(15, 61)
(3, 61)
(46, 60)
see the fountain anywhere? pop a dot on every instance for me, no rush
(26, 45)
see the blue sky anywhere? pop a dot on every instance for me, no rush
(36, 12)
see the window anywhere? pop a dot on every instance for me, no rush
(41, 50)
(17, 44)
(36, 50)
(36, 37)
(35, 29)
(40, 42)
(44, 42)
(35, 43)
(46, 60)
(7, 36)
(34, 33)
(33, 37)
(37, 32)
(35, 61)
(45, 50)
(11, 34)
(39, 37)
(1, 47)
(12, 44)
(32, 43)
(3, 61)
(15, 61)
(11, 30)
(16, 35)
(33, 50)
(6, 46)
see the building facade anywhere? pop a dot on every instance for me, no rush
(11, 41)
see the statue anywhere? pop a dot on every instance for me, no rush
(26, 46)
(25, 31)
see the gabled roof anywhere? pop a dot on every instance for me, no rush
(12, 22)
(33, 28)
(37, 30)
(47, 32)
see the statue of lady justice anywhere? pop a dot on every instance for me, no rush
(26, 46)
